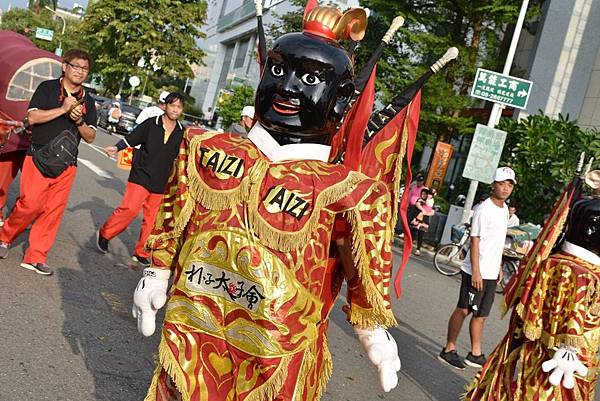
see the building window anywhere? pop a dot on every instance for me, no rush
(240, 57)
(225, 67)
(30, 75)
(223, 8)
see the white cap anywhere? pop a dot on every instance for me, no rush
(248, 111)
(163, 96)
(505, 173)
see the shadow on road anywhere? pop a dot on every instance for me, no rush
(100, 211)
(418, 352)
(96, 301)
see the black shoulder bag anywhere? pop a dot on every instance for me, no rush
(54, 157)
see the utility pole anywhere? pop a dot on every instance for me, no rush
(58, 51)
(497, 108)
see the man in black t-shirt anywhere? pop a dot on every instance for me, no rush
(57, 105)
(159, 138)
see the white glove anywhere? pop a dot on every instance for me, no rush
(564, 363)
(149, 296)
(382, 351)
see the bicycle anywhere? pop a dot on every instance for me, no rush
(509, 268)
(449, 258)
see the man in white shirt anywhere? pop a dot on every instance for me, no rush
(243, 126)
(513, 219)
(153, 111)
(481, 271)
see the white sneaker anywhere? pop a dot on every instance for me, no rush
(4, 250)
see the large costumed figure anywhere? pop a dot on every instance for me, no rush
(259, 233)
(550, 352)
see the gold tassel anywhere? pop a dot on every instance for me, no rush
(180, 223)
(360, 257)
(151, 395)
(326, 371)
(398, 173)
(285, 241)
(272, 387)
(532, 332)
(171, 366)
(308, 364)
(366, 318)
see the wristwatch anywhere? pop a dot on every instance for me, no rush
(80, 123)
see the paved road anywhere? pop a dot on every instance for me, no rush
(71, 336)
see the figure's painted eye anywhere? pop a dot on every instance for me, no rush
(310, 79)
(277, 70)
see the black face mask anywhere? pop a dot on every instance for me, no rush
(305, 87)
(584, 225)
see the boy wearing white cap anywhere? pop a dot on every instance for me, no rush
(153, 111)
(481, 271)
(245, 123)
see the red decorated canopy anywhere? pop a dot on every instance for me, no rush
(24, 66)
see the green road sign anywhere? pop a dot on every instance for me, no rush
(484, 154)
(44, 34)
(500, 88)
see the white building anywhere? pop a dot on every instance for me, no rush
(231, 46)
(562, 58)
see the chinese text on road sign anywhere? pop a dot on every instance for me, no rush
(499, 88)
(484, 154)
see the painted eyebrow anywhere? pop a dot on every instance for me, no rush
(315, 65)
(277, 57)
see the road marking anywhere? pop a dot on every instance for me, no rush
(100, 150)
(95, 169)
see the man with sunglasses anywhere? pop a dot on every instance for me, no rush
(57, 106)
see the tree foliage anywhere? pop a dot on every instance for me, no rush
(480, 29)
(230, 105)
(162, 32)
(25, 21)
(38, 5)
(544, 154)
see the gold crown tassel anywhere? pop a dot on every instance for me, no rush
(349, 25)
(352, 25)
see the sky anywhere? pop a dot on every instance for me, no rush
(23, 3)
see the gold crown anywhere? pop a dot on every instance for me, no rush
(331, 23)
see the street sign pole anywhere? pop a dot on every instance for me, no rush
(497, 108)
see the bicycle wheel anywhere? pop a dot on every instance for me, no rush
(509, 268)
(448, 259)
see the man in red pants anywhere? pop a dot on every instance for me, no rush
(57, 106)
(10, 164)
(159, 138)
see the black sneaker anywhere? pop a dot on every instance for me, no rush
(452, 359)
(3, 250)
(144, 262)
(39, 268)
(101, 243)
(475, 361)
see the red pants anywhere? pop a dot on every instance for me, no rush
(42, 201)
(136, 198)
(10, 164)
